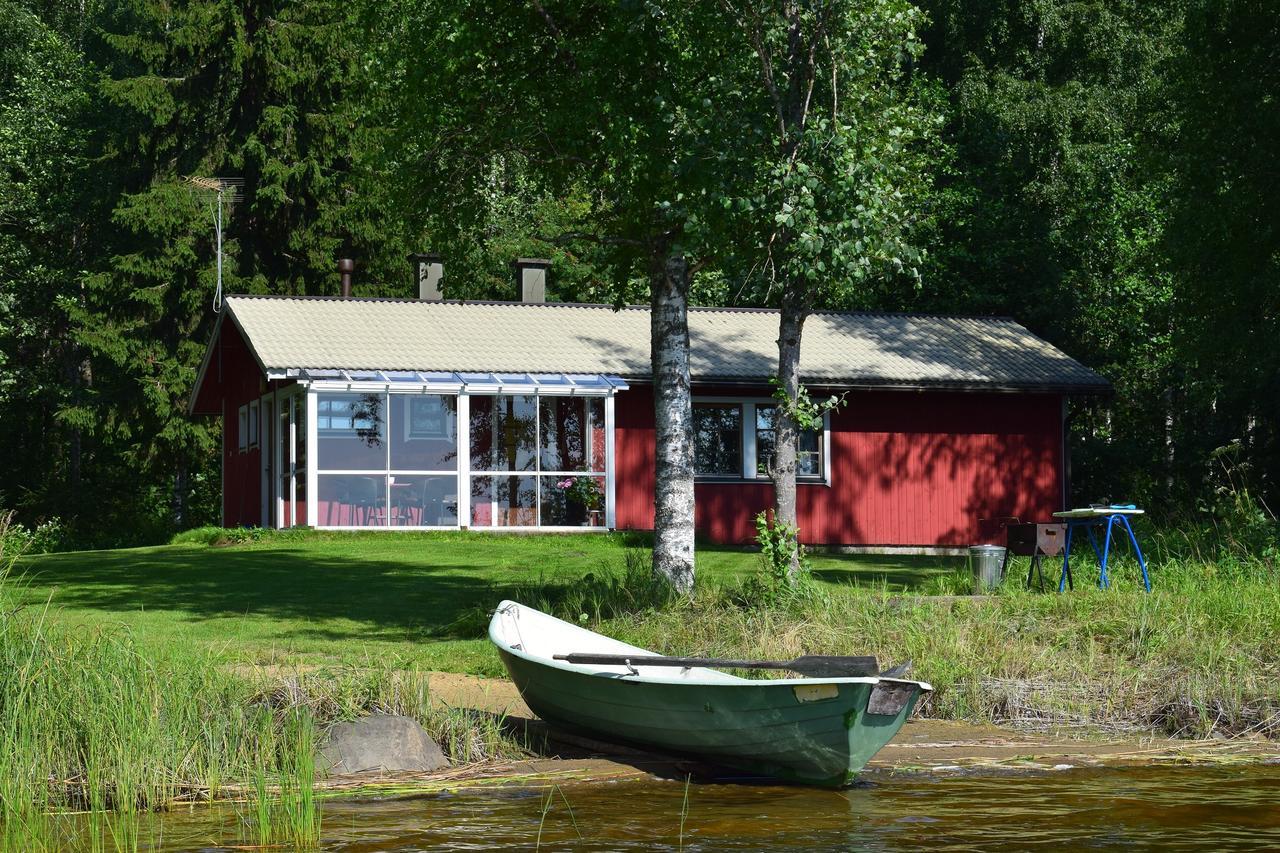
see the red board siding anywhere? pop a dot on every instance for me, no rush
(907, 468)
(238, 381)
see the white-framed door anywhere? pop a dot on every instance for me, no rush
(266, 453)
(285, 458)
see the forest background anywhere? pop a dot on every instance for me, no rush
(1103, 172)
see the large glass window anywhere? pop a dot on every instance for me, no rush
(424, 432)
(504, 501)
(526, 453)
(349, 432)
(717, 439)
(571, 433)
(386, 459)
(808, 445)
(504, 433)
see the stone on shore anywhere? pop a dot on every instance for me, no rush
(380, 743)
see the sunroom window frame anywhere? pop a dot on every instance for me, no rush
(463, 388)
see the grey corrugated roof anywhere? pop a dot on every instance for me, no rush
(732, 345)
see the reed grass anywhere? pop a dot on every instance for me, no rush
(95, 732)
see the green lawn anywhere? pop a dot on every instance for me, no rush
(355, 598)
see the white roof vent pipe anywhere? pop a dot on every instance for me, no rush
(531, 278)
(427, 274)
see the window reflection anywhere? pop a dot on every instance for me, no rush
(717, 439)
(808, 445)
(349, 432)
(504, 432)
(572, 433)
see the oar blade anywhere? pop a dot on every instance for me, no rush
(835, 666)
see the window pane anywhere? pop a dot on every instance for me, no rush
(504, 501)
(572, 501)
(351, 500)
(809, 455)
(572, 431)
(424, 501)
(424, 432)
(349, 432)
(300, 433)
(717, 439)
(808, 445)
(504, 432)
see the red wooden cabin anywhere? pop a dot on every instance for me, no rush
(425, 414)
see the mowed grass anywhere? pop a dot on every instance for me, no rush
(357, 598)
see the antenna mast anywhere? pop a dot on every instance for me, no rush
(230, 188)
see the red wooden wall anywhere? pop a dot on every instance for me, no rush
(232, 380)
(907, 468)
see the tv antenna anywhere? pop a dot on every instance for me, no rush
(227, 190)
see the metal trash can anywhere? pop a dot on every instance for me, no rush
(986, 562)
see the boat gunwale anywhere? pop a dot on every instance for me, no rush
(638, 678)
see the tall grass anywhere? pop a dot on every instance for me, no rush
(93, 726)
(1195, 657)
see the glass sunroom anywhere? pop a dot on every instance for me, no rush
(415, 450)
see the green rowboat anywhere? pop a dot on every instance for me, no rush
(815, 731)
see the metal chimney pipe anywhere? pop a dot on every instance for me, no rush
(346, 266)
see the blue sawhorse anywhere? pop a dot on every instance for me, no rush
(1111, 520)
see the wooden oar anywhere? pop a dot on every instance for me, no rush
(817, 666)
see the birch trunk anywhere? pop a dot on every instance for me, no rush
(783, 468)
(673, 414)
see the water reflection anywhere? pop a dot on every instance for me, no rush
(1175, 809)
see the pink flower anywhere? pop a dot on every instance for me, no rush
(565, 484)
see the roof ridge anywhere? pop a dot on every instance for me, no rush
(726, 309)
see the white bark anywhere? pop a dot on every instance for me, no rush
(783, 469)
(673, 411)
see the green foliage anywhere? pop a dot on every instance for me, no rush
(774, 584)
(1094, 169)
(804, 410)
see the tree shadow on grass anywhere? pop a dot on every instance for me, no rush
(897, 573)
(334, 597)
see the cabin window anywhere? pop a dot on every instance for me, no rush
(717, 439)
(398, 457)
(253, 424)
(808, 446)
(242, 429)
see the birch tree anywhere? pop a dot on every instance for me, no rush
(613, 97)
(842, 148)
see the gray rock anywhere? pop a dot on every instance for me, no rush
(382, 742)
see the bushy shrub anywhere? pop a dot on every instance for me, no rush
(17, 539)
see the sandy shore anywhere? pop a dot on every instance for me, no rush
(921, 746)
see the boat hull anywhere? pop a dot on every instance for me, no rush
(816, 733)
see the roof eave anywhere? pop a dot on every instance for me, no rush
(1073, 389)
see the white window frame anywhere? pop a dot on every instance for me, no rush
(242, 428)
(462, 429)
(749, 473)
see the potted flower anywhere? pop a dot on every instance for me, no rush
(582, 497)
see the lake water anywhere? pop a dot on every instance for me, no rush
(1177, 808)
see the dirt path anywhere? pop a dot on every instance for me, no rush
(922, 745)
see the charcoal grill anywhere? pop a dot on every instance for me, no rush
(1036, 541)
